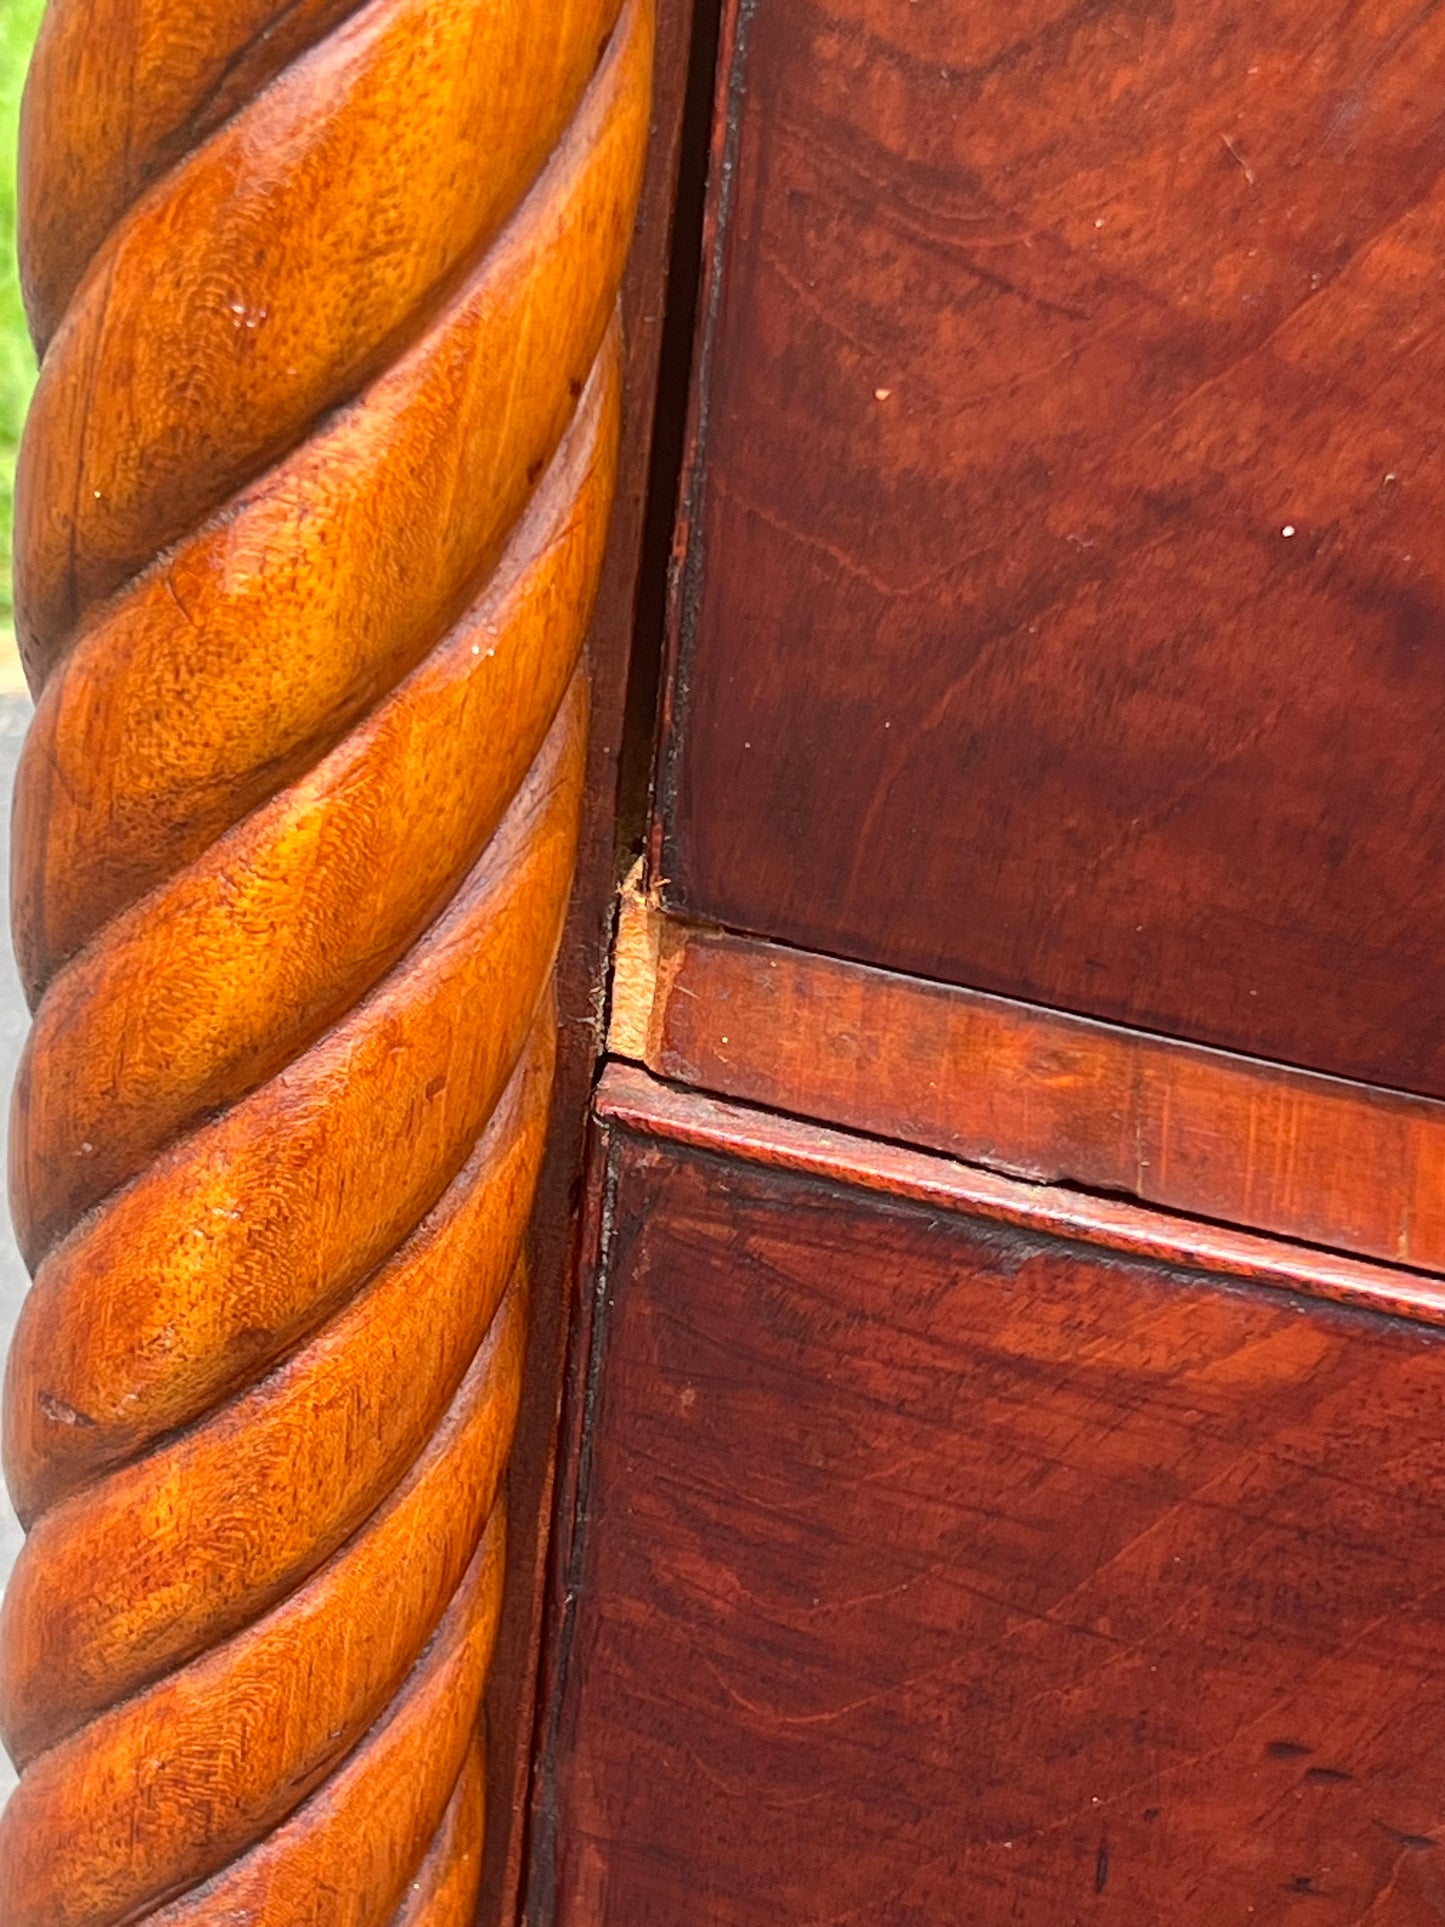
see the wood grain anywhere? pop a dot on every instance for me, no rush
(655, 331)
(94, 140)
(352, 1847)
(1052, 1098)
(637, 1103)
(444, 1891)
(339, 279)
(405, 804)
(117, 796)
(138, 1573)
(925, 1568)
(314, 502)
(1060, 611)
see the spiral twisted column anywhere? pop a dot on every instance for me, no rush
(311, 512)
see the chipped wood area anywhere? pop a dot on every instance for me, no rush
(648, 953)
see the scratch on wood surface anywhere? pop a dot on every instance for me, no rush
(1233, 150)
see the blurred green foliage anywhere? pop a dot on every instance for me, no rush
(18, 22)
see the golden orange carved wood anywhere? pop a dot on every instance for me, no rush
(312, 506)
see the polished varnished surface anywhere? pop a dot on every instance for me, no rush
(1054, 1098)
(925, 1568)
(1061, 612)
(370, 539)
(95, 139)
(314, 503)
(141, 1571)
(402, 806)
(582, 960)
(169, 418)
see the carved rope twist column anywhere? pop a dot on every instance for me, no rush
(312, 505)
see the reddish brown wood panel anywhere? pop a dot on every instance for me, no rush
(926, 1569)
(1061, 612)
(1053, 1098)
